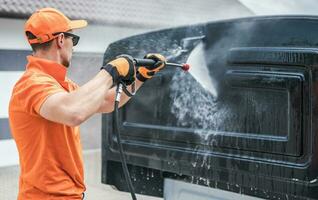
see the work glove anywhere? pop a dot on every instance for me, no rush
(122, 69)
(145, 73)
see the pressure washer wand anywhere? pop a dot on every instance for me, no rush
(149, 62)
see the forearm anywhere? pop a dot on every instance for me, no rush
(75, 107)
(89, 97)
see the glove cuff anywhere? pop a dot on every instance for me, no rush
(112, 71)
(140, 77)
(144, 74)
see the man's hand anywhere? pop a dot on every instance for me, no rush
(145, 73)
(121, 69)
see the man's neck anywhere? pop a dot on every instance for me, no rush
(48, 55)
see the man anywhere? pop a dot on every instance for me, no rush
(46, 107)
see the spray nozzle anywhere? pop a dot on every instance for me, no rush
(185, 67)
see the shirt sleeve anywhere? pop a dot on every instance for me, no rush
(73, 85)
(36, 90)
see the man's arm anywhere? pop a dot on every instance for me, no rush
(109, 101)
(75, 107)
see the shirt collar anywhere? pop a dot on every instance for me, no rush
(52, 68)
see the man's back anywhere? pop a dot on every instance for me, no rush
(50, 153)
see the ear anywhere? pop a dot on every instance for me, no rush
(60, 40)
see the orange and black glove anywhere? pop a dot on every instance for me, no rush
(145, 73)
(121, 69)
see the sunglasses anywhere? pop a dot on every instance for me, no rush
(75, 38)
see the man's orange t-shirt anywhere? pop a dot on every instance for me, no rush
(50, 153)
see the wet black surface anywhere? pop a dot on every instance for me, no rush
(256, 137)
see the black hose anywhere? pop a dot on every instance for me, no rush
(121, 86)
(122, 155)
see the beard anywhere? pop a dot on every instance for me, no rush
(66, 62)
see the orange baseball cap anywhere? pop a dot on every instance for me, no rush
(47, 21)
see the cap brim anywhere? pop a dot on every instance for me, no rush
(74, 24)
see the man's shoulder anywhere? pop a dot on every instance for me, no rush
(33, 87)
(34, 76)
(30, 78)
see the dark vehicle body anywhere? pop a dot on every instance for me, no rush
(257, 137)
